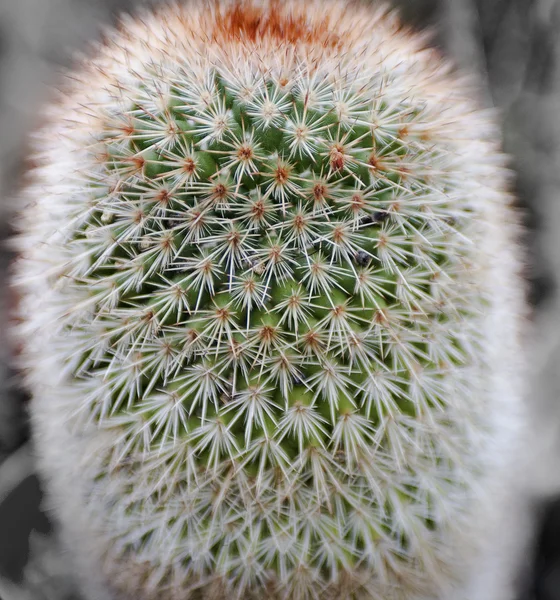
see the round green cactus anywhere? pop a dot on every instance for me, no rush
(269, 306)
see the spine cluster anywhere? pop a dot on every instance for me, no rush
(272, 241)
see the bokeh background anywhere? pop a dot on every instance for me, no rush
(514, 48)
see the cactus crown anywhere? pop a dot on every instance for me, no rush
(264, 286)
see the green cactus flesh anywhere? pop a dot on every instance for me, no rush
(271, 258)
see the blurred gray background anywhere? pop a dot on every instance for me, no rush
(513, 45)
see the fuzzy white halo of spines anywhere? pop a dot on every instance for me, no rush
(271, 308)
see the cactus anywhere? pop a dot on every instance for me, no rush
(270, 307)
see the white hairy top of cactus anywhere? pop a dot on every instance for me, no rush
(269, 303)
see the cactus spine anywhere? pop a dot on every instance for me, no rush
(269, 306)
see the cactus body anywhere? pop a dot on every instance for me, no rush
(270, 307)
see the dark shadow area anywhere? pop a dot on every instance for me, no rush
(545, 583)
(19, 516)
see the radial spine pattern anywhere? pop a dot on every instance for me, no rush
(269, 304)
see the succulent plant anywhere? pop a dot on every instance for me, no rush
(270, 307)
